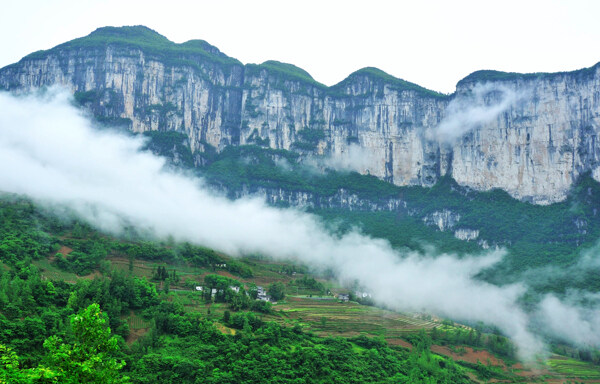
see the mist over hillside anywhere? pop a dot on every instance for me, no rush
(51, 153)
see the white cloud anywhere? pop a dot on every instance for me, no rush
(50, 152)
(353, 158)
(572, 322)
(470, 110)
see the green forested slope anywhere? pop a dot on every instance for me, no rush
(46, 324)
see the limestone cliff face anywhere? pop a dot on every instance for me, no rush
(534, 147)
(443, 220)
(125, 85)
(385, 120)
(299, 199)
(541, 143)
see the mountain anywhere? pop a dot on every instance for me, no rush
(531, 135)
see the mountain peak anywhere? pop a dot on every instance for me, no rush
(487, 75)
(136, 32)
(377, 74)
(289, 71)
(145, 39)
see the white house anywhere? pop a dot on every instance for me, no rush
(343, 297)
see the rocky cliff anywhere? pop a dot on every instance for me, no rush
(540, 143)
(531, 135)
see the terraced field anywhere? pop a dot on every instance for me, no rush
(327, 316)
(52, 272)
(574, 369)
(333, 318)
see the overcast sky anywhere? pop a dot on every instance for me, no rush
(431, 43)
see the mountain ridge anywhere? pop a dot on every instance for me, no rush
(124, 34)
(536, 135)
(147, 35)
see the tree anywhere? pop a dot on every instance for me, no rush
(276, 291)
(226, 317)
(89, 358)
(11, 373)
(252, 291)
(9, 367)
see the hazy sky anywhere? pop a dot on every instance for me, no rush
(432, 43)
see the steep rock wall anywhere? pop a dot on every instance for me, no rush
(534, 147)
(538, 147)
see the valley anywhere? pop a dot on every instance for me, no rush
(169, 214)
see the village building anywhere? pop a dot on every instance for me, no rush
(262, 294)
(343, 297)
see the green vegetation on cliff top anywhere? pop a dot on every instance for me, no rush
(394, 82)
(143, 38)
(157, 46)
(490, 75)
(285, 70)
(154, 44)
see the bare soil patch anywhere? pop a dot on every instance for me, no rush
(226, 274)
(400, 342)
(470, 355)
(135, 334)
(64, 250)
